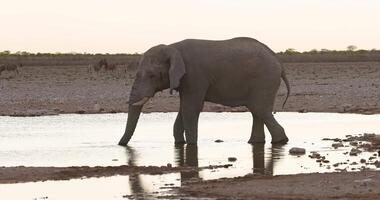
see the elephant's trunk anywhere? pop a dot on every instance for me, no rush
(133, 118)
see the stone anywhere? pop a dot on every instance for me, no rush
(338, 144)
(376, 139)
(169, 165)
(354, 152)
(315, 155)
(232, 159)
(354, 143)
(297, 151)
(218, 141)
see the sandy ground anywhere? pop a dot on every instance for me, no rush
(316, 87)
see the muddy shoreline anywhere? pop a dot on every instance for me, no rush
(343, 185)
(23, 174)
(352, 87)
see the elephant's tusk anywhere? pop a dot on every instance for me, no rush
(141, 102)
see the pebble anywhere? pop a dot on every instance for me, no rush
(354, 143)
(315, 155)
(336, 145)
(354, 152)
(376, 139)
(218, 141)
(297, 151)
(232, 159)
(362, 160)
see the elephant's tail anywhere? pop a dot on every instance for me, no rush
(283, 76)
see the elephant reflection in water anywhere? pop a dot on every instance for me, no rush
(187, 155)
(135, 184)
(259, 164)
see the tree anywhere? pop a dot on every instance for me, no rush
(291, 51)
(6, 52)
(352, 48)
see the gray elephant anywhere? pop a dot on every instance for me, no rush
(235, 72)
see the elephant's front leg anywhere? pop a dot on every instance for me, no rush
(192, 105)
(257, 134)
(178, 129)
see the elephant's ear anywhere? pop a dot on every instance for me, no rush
(177, 68)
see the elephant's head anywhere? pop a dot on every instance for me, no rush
(161, 67)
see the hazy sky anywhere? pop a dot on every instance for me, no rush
(123, 26)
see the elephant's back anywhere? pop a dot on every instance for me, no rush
(234, 55)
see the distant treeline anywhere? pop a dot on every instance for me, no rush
(288, 56)
(57, 59)
(324, 55)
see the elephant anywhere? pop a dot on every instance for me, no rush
(235, 72)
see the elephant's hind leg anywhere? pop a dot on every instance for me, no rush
(275, 129)
(262, 107)
(257, 133)
(178, 130)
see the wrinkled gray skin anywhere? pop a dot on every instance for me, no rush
(235, 72)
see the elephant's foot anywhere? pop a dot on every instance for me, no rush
(123, 143)
(256, 141)
(283, 140)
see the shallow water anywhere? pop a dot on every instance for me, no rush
(76, 140)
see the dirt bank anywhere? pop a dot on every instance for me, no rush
(31, 174)
(344, 185)
(316, 87)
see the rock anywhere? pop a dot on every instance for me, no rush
(325, 161)
(354, 152)
(376, 139)
(315, 155)
(302, 110)
(354, 143)
(232, 159)
(336, 145)
(377, 164)
(169, 165)
(297, 151)
(362, 160)
(218, 141)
